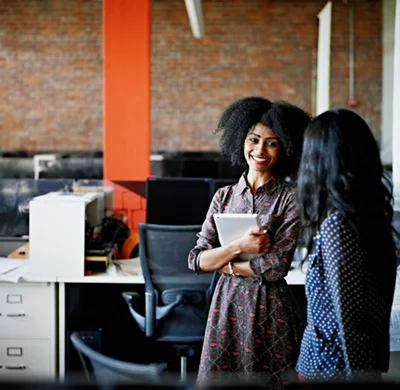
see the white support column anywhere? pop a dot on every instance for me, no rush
(396, 109)
(388, 23)
(324, 59)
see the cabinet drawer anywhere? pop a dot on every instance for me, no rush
(27, 310)
(27, 358)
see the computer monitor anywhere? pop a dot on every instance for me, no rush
(219, 183)
(15, 195)
(177, 201)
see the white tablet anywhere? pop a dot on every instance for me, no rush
(230, 227)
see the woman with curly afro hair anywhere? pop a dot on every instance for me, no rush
(252, 332)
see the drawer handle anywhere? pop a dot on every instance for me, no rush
(22, 367)
(16, 315)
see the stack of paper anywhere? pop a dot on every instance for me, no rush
(128, 267)
(12, 270)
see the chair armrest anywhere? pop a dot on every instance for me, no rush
(163, 311)
(154, 313)
(178, 296)
(129, 298)
(129, 295)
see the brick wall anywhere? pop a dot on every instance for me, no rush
(51, 74)
(254, 47)
(51, 67)
(130, 203)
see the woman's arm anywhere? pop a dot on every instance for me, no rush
(209, 255)
(254, 241)
(343, 262)
(240, 268)
(274, 265)
(208, 242)
(217, 258)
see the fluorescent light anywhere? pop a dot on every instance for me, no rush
(195, 14)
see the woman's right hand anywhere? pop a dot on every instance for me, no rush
(255, 241)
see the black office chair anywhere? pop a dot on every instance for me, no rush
(100, 368)
(176, 299)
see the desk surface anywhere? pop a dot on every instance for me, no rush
(294, 277)
(113, 275)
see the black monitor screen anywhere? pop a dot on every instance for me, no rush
(15, 195)
(177, 201)
(219, 183)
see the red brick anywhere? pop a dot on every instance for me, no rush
(51, 67)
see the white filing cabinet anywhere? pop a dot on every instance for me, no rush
(28, 342)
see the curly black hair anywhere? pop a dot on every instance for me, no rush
(286, 120)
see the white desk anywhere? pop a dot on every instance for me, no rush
(45, 342)
(109, 277)
(56, 288)
(295, 277)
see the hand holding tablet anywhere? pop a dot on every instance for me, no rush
(231, 227)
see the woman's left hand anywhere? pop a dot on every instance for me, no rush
(224, 270)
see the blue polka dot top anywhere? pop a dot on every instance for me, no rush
(347, 330)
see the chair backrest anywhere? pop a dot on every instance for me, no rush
(103, 368)
(164, 251)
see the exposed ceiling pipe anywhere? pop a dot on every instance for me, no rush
(195, 14)
(352, 102)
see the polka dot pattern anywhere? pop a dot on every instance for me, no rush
(347, 329)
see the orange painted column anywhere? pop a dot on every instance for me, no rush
(127, 68)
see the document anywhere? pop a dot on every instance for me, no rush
(128, 267)
(11, 270)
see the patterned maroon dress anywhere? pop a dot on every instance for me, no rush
(252, 329)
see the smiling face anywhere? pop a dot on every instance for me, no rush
(261, 149)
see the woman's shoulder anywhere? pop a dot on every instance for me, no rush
(285, 190)
(288, 187)
(336, 223)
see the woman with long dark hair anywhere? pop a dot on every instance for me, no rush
(345, 205)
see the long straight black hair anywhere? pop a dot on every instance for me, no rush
(341, 170)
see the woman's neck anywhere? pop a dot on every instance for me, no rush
(257, 179)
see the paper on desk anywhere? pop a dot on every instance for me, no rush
(128, 266)
(16, 274)
(11, 270)
(395, 317)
